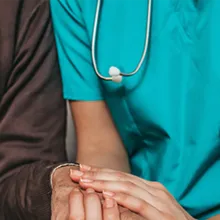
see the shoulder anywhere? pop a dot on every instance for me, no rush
(69, 6)
(20, 9)
(15, 13)
(15, 19)
(74, 7)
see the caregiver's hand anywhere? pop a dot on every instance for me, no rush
(149, 199)
(88, 206)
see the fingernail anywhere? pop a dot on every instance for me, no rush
(85, 167)
(106, 193)
(89, 190)
(76, 173)
(109, 203)
(76, 190)
(86, 180)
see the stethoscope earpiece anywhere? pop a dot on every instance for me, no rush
(115, 74)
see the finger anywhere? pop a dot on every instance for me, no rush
(84, 168)
(137, 205)
(75, 175)
(118, 186)
(92, 204)
(114, 176)
(110, 210)
(155, 186)
(110, 176)
(76, 208)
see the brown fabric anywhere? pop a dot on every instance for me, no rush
(32, 111)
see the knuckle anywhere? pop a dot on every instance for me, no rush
(122, 197)
(168, 216)
(129, 185)
(92, 174)
(119, 175)
(163, 194)
(141, 206)
(110, 216)
(74, 194)
(96, 169)
(159, 185)
(101, 183)
(92, 197)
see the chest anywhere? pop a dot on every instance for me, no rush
(179, 80)
(179, 31)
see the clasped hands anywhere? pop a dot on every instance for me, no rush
(104, 190)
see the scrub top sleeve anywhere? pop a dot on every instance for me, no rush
(80, 81)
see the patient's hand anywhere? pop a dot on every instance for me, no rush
(63, 191)
(87, 205)
(62, 187)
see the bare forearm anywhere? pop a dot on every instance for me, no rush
(99, 143)
(107, 159)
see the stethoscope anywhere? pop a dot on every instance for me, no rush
(115, 74)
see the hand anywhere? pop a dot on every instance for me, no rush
(125, 214)
(62, 187)
(88, 206)
(63, 192)
(150, 199)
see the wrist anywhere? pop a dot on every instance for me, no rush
(61, 175)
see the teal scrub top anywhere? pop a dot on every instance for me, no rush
(168, 114)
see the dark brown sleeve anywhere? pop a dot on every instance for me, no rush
(32, 119)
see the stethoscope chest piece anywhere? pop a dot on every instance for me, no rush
(115, 74)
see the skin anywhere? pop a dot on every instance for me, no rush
(87, 206)
(98, 142)
(62, 187)
(150, 200)
(82, 205)
(63, 190)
